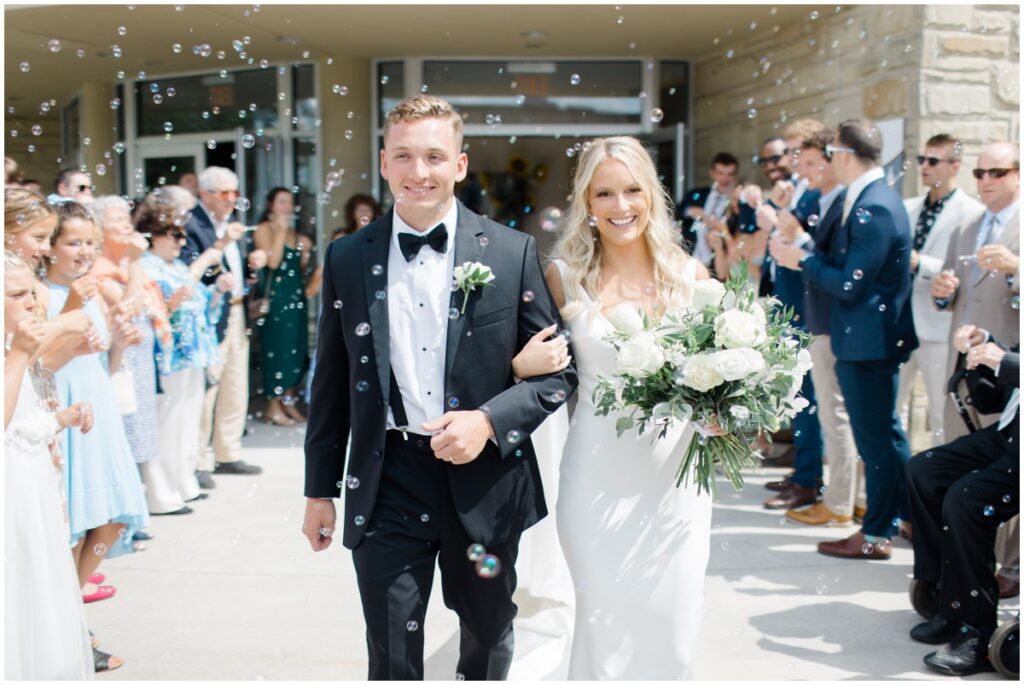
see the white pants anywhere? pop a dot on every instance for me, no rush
(845, 479)
(170, 478)
(226, 403)
(930, 359)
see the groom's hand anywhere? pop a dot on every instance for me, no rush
(462, 435)
(318, 524)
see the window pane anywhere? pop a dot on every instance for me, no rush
(391, 87)
(306, 186)
(196, 104)
(538, 92)
(305, 104)
(674, 90)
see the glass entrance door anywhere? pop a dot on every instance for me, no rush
(164, 163)
(260, 165)
(667, 148)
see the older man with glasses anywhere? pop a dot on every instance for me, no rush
(935, 218)
(226, 403)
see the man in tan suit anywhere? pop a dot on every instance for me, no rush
(981, 282)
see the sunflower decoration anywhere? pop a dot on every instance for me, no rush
(518, 167)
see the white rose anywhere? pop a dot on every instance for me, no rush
(733, 365)
(700, 374)
(798, 404)
(740, 413)
(626, 319)
(640, 356)
(803, 362)
(729, 301)
(707, 293)
(735, 328)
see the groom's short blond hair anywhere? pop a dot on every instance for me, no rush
(420, 107)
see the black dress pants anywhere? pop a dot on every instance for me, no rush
(414, 525)
(959, 495)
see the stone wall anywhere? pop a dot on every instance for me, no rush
(942, 68)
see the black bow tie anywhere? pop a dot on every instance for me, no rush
(411, 244)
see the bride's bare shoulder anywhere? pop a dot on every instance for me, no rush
(553, 276)
(700, 271)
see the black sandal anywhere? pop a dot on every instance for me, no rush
(101, 661)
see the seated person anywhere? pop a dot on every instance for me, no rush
(960, 493)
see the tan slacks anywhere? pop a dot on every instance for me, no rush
(930, 359)
(226, 402)
(845, 484)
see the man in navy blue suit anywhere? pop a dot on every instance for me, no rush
(866, 271)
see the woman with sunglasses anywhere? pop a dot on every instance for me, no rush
(194, 310)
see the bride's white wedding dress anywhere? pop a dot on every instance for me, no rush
(637, 546)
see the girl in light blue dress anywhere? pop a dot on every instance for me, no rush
(106, 503)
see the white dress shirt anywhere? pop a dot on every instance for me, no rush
(714, 206)
(232, 254)
(419, 297)
(858, 186)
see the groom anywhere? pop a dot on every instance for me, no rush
(420, 372)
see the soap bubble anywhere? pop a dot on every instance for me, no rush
(380, 294)
(528, 296)
(55, 45)
(242, 204)
(37, 130)
(352, 482)
(549, 219)
(100, 549)
(575, 79)
(453, 313)
(211, 144)
(359, 520)
(863, 216)
(377, 270)
(362, 329)
(484, 241)
(513, 436)
(412, 626)
(988, 510)
(337, 304)
(24, 66)
(656, 115)
(425, 518)
(813, 220)
(453, 402)
(488, 566)
(475, 551)
(752, 113)
(857, 274)
(248, 141)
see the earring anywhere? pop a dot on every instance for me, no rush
(592, 221)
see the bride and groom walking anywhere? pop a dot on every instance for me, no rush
(434, 360)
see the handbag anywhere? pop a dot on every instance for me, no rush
(124, 391)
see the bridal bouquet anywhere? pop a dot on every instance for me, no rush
(728, 360)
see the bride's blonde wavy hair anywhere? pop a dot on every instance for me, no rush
(579, 244)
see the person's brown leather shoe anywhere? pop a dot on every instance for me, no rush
(791, 498)
(856, 547)
(779, 485)
(1008, 587)
(784, 459)
(819, 515)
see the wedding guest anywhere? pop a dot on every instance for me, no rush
(12, 177)
(194, 309)
(120, 277)
(360, 211)
(936, 217)
(732, 246)
(961, 493)
(190, 182)
(840, 497)
(45, 633)
(73, 183)
(866, 271)
(980, 281)
(33, 185)
(105, 498)
(802, 486)
(285, 332)
(226, 402)
(709, 202)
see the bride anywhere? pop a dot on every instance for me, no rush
(636, 545)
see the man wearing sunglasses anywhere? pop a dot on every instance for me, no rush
(226, 402)
(866, 271)
(980, 278)
(934, 218)
(73, 183)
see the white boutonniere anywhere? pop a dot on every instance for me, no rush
(469, 276)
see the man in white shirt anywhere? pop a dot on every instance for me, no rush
(935, 218)
(417, 374)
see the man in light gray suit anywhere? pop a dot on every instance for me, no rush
(980, 279)
(935, 217)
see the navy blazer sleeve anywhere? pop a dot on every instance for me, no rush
(327, 430)
(524, 406)
(869, 247)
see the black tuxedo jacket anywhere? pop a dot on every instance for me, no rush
(200, 236)
(499, 494)
(695, 197)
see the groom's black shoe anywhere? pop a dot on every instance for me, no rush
(967, 654)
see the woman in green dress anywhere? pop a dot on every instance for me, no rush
(285, 320)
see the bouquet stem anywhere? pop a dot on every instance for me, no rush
(698, 465)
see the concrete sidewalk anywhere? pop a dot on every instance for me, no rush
(234, 592)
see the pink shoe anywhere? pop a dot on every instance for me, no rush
(102, 592)
(97, 578)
